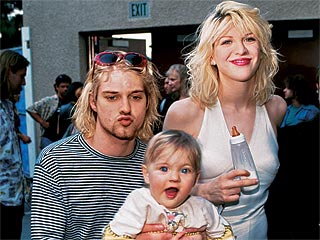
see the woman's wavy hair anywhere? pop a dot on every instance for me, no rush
(85, 118)
(204, 77)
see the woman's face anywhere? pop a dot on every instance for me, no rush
(174, 80)
(236, 55)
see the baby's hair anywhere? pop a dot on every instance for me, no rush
(170, 141)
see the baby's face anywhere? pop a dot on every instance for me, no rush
(171, 178)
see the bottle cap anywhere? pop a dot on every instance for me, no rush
(237, 139)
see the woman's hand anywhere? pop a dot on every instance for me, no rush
(225, 188)
(154, 232)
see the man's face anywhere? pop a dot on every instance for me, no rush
(62, 90)
(121, 105)
(17, 80)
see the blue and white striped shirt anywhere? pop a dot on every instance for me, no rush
(77, 190)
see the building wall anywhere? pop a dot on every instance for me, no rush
(59, 30)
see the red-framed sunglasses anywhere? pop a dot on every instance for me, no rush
(111, 58)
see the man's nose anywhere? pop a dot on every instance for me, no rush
(125, 106)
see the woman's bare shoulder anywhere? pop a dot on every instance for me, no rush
(276, 108)
(184, 115)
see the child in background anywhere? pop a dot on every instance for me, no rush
(171, 168)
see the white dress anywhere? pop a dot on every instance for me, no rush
(247, 217)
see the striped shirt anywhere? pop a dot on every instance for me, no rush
(77, 190)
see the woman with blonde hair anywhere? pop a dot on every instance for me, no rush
(232, 68)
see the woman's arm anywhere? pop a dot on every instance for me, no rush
(187, 116)
(225, 188)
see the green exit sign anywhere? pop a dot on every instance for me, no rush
(139, 9)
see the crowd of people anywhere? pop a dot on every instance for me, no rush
(121, 160)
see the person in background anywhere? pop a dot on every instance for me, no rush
(303, 98)
(177, 79)
(46, 111)
(171, 168)
(167, 91)
(232, 68)
(67, 110)
(298, 140)
(26, 140)
(13, 71)
(81, 181)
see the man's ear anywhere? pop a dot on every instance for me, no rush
(145, 174)
(92, 103)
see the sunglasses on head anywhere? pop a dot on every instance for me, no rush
(111, 58)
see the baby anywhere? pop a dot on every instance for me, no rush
(171, 168)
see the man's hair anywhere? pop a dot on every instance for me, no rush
(10, 60)
(303, 91)
(62, 78)
(71, 92)
(85, 118)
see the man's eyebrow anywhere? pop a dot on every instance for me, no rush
(113, 91)
(109, 91)
(139, 91)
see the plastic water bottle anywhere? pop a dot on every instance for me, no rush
(242, 157)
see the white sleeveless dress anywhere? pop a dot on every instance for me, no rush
(247, 217)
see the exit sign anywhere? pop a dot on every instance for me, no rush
(139, 9)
